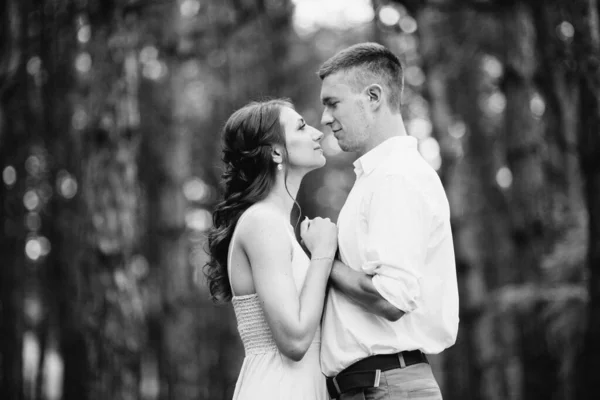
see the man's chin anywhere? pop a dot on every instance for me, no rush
(345, 147)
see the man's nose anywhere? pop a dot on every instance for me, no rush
(326, 118)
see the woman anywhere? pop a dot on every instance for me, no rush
(276, 290)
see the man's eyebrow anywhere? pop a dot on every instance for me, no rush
(326, 100)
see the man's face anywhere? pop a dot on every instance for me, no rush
(346, 112)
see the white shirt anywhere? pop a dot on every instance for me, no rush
(395, 226)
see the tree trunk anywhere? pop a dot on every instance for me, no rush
(564, 260)
(61, 220)
(587, 17)
(14, 143)
(166, 164)
(11, 247)
(532, 199)
(107, 124)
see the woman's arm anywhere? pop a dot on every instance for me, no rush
(293, 317)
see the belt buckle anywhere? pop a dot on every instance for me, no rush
(377, 378)
(337, 386)
(402, 360)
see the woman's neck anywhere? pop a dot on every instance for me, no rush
(279, 195)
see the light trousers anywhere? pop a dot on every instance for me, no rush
(413, 382)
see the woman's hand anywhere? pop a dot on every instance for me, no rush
(319, 236)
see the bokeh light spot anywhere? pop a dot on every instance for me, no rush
(457, 130)
(154, 70)
(430, 150)
(537, 105)
(198, 220)
(389, 15)
(83, 62)
(31, 200)
(148, 53)
(33, 249)
(492, 66)
(565, 30)
(84, 34)
(31, 355)
(420, 128)
(53, 373)
(66, 184)
(45, 246)
(196, 190)
(189, 8)
(408, 24)
(496, 103)
(415, 75)
(311, 15)
(504, 177)
(9, 175)
(34, 65)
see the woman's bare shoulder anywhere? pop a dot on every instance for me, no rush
(261, 221)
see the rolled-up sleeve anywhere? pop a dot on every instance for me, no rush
(398, 223)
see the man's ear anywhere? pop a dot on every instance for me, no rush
(277, 154)
(375, 94)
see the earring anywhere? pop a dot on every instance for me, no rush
(279, 167)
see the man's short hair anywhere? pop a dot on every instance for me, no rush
(371, 63)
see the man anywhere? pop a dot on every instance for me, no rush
(393, 295)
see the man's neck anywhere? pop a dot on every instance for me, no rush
(387, 127)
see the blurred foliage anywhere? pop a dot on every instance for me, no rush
(110, 114)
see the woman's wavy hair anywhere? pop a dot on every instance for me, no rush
(248, 138)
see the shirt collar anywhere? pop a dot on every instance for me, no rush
(370, 160)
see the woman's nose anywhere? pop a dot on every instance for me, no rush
(318, 135)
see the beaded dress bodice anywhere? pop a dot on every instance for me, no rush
(252, 325)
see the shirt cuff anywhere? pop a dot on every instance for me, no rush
(402, 289)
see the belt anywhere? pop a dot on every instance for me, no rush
(367, 372)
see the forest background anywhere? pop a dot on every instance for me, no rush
(110, 113)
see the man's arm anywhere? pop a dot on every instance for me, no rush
(359, 287)
(395, 243)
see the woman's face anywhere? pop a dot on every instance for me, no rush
(302, 140)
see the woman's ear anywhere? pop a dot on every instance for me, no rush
(277, 154)
(375, 94)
